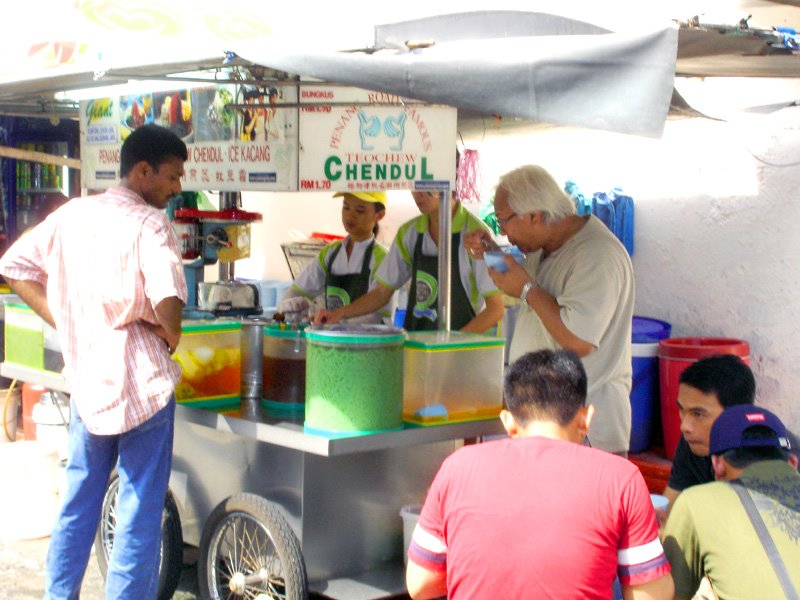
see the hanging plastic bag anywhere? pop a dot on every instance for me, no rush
(582, 205)
(623, 218)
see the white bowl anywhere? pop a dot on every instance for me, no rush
(659, 501)
(494, 259)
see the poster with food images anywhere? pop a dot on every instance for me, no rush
(209, 120)
(173, 110)
(134, 111)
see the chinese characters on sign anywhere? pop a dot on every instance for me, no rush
(360, 140)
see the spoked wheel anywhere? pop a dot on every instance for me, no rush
(248, 550)
(171, 552)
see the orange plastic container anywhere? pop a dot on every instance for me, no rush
(31, 392)
(674, 355)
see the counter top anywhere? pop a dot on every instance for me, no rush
(290, 434)
(52, 381)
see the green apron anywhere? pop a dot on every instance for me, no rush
(341, 290)
(421, 312)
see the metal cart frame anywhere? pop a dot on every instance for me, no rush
(341, 497)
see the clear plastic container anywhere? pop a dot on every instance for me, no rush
(449, 376)
(29, 341)
(210, 357)
(284, 369)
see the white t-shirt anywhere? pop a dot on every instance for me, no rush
(311, 282)
(591, 278)
(396, 269)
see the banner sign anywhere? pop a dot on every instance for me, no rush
(253, 148)
(367, 140)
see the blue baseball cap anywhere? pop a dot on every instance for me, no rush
(727, 432)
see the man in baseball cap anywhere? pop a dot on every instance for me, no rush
(741, 532)
(728, 431)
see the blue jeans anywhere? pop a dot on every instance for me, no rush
(144, 458)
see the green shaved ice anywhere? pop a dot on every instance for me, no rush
(354, 389)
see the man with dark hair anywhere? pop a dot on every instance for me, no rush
(707, 387)
(538, 515)
(106, 272)
(742, 532)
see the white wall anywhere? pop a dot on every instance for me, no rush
(716, 253)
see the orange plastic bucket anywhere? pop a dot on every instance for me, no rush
(674, 355)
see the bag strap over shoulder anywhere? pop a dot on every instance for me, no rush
(766, 540)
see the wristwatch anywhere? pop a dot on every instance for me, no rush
(523, 295)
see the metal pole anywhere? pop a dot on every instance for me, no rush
(228, 200)
(445, 252)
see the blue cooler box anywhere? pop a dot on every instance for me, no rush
(645, 406)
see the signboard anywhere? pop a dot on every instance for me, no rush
(373, 141)
(251, 148)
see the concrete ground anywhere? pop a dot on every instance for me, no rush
(22, 561)
(22, 573)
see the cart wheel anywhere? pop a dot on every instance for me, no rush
(248, 550)
(171, 552)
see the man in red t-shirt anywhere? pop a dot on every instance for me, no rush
(538, 515)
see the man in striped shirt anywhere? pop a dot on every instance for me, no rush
(106, 272)
(538, 515)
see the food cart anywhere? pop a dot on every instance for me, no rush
(271, 507)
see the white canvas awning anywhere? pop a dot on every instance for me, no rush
(600, 65)
(531, 65)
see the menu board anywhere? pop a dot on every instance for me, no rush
(352, 139)
(250, 147)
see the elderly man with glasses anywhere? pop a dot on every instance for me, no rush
(576, 289)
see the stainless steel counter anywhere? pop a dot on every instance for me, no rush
(52, 381)
(253, 424)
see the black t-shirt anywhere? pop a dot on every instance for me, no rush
(688, 469)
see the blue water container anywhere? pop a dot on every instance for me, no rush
(645, 406)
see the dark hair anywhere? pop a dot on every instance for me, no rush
(741, 458)
(725, 375)
(379, 206)
(545, 385)
(150, 143)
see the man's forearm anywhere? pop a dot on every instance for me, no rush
(549, 313)
(168, 314)
(34, 295)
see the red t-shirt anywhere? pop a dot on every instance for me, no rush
(538, 518)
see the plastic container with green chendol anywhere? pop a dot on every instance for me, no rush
(354, 379)
(210, 357)
(284, 369)
(450, 376)
(29, 341)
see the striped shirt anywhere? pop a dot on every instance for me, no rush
(107, 261)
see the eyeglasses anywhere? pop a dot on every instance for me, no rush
(503, 222)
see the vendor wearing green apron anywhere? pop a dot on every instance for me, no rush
(476, 305)
(344, 269)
